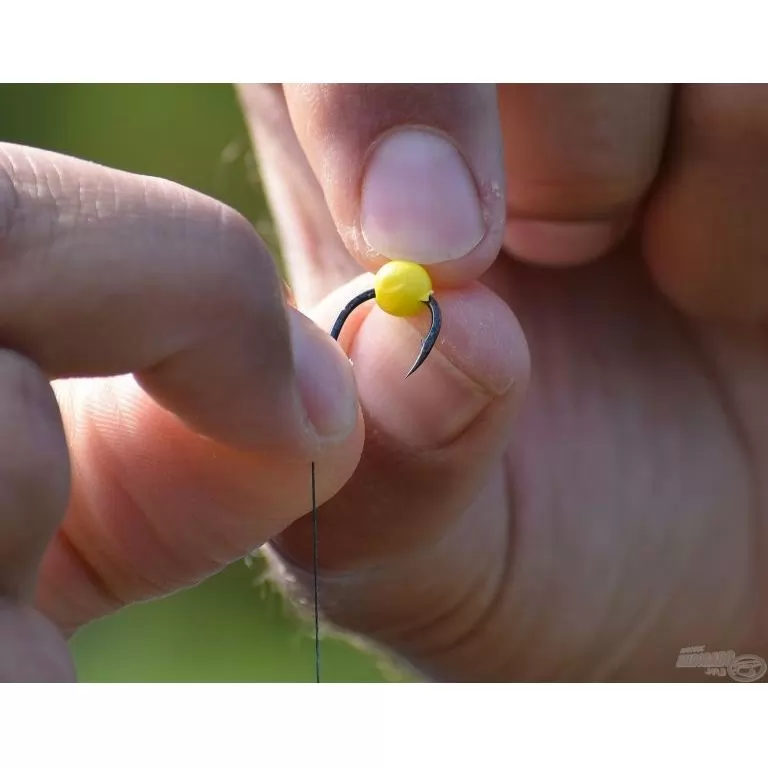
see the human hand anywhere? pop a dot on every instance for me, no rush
(190, 399)
(590, 522)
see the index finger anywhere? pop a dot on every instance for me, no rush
(105, 272)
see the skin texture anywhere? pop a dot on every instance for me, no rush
(571, 488)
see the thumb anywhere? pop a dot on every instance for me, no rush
(410, 172)
(431, 441)
(359, 174)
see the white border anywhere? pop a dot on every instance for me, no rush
(381, 725)
(396, 41)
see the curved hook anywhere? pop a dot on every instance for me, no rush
(348, 310)
(431, 338)
(427, 343)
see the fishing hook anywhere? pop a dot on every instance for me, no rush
(427, 343)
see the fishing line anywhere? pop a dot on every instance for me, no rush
(314, 576)
(403, 289)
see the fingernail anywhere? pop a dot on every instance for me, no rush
(419, 200)
(324, 378)
(552, 242)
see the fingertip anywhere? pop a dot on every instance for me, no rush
(481, 356)
(324, 380)
(562, 243)
(409, 172)
(580, 160)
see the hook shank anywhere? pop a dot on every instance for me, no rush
(348, 310)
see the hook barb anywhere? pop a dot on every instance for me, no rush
(429, 340)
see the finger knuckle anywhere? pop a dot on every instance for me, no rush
(242, 272)
(37, 200)
(9, 197)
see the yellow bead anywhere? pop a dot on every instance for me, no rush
(402, 287)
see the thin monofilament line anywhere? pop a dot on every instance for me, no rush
(314, 576)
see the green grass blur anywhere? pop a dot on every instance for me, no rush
(234, 627)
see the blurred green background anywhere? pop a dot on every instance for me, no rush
(233, 627)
